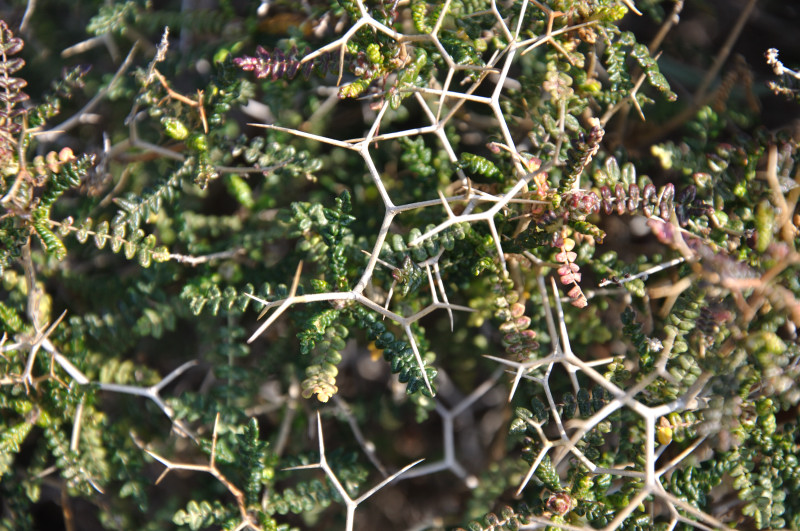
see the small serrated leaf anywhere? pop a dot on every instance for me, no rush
(129, 249)
(145, 257)
(197, 304)
(83, 231)
(118, 238)
(101, 235)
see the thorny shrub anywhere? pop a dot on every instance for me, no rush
(273, 265)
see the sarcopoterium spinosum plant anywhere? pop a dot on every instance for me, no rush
(374, 264)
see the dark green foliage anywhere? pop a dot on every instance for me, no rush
(409, 276)
(424, 18)
(481, 167)
(397, 352)
(302, 498)
(764, 482)
(417, 157)
(174, 189)
(408, 77)
(650, 67)
(136, 208)
(212, 298)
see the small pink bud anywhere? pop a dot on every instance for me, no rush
(566, 269)
(570, 278)
(522, 322)
(563, 256)
(560, 503)
(580, 303)
(517, 309)
(534, 163)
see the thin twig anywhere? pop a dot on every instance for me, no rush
(701, 96)
(66, 125)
